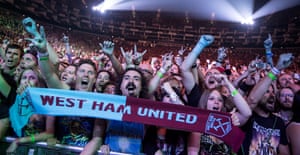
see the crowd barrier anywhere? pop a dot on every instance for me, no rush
(41, 148)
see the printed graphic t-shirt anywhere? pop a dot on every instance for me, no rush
(76, 131)
(263, 135)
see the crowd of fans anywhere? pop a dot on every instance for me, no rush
(259, 87)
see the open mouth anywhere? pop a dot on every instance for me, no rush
(64, 78)
(211, 81)
(131, 88)
(215, 108)
(84, 82)
(271, 100)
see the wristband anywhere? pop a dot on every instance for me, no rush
(161, 75)
(43, 58)
(234, 92)
(46, 54)
(32, 138)
(271, 76)
(130, 66)
(269, 54)
(275, 71)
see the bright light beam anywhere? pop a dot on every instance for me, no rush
(224, 10)
(275, 6)
(106, 5)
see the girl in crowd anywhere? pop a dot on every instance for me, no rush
(68, 76)
(29, 127)
(28, 60)
(210, 98)
(103, 77)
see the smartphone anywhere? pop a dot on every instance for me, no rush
(261, 65)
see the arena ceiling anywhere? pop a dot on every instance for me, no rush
(74, 12)
(78, 14)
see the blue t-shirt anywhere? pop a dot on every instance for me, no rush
(125, 137)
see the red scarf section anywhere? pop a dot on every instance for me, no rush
(185, 118)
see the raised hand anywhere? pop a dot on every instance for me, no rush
(65, 39)
(268, 43)
(107, 47)
(167, 61)
(30, 26)
(137, 56)
(102, 58)
(251, 66)
(181, 51)
(22, 87)
(206, 40)
(221, 54)
(284, 61)
(40, 40)
(128, 56)
(221, 79)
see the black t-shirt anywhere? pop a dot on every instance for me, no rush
(6, 102)
(263, 135)
(296, 108)
(175, 142)
(194, 96)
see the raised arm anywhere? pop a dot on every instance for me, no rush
(188, 79)
(166, 65)
(30, 26)
(221, 56)
(244, 111)
(45, 65)
(268, 43)
(261, 87)
(108, 48)
(68, 50)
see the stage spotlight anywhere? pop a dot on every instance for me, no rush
(107, 5)
(247, 21)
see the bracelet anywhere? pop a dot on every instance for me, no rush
(32, 138)
(43, 58)
(271, 76)
(160, 74)
(275, 71)
(234, 92)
